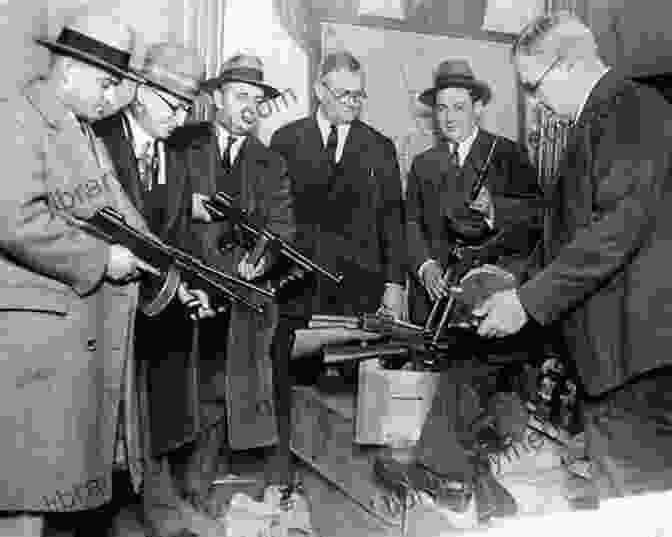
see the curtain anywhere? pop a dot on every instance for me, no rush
(300, 21)
(204, 31)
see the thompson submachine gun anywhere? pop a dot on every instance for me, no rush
(256, 238)
(165, 262)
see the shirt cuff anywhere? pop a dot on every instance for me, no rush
(394, 284)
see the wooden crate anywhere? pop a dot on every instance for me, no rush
(323, 433)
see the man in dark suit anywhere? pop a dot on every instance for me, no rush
(149, 149)
(234, 161)
(442, 178)
(607, 241)
(470, 184)
(348, 202)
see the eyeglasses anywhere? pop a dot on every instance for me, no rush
(174, 108)
(347, 96)
(531, 88)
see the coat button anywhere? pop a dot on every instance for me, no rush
(91, 345)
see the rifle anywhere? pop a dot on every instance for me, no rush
(165, 262)
(259, 239)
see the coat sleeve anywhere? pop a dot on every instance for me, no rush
(623, 216)
(280, 213)
(522, 229)
(391, 217)
(33, 234)
(417, 245)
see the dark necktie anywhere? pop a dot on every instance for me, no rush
(148, 164)
(332, 144)
(226, 155)
(454, 155)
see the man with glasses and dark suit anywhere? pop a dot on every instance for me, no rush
(151, 151)
(348, 200)
(604, 278)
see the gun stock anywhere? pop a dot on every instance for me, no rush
(111, 226)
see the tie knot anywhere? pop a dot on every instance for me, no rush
(147, 150)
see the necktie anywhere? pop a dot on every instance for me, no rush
(147, 165)
(454, 155)
(226, 154)
(332, 144)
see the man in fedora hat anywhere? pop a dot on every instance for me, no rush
(152, 152)
(258, 391)
(443, 207)
(67, 299)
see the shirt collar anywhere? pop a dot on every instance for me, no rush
(138, 134)
(465, 146)
(325, 126)
(587, 96)
(223, 136)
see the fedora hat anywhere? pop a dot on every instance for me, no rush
(102, 41)
(242, 68)
(174, 69)
(456, 74)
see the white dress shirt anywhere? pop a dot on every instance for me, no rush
(325, 127)
(140, 139)
(223, 140)
(462, 153)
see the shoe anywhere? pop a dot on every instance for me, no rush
(186, 521)
(402, 478)
(294, 507)
(492, 499)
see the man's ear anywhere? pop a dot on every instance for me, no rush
(65, 71)
(218, 97)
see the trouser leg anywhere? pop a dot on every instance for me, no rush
(160, 500)
(629, 437)
(279, 470)
(21, 524)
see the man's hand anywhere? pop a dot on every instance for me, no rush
(248, 271)
(198, 210)
(122, 265)
(502, 314)
(431, 276)
(392, 302)
(197, 301)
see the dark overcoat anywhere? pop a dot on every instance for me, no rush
(167, 344)
(349, 217)
(608, 237)
(436, 188)
(264, 192)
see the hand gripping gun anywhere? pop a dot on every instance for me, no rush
(165, 264)
(257, 239)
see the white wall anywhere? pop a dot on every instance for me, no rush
(250, 25)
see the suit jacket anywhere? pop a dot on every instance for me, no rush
(607, 237)
(65, 331)
(167, 342)
(436, 188)
(349, 219)
(265, 194)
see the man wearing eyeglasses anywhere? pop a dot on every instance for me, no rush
(151, 150)
(604, 278)
(348, 200)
